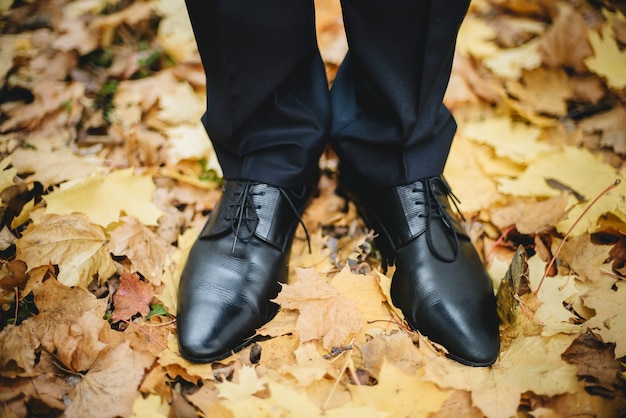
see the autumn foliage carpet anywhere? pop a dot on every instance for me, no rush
(106, 176)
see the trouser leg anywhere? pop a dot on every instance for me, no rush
(389, 124)
(267, 93)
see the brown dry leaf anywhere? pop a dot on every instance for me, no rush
(75, 36)
(459, 404)
(70, 323)
(17, 350)
(53, 167)
(77, 246)
(610, 319)
(396, 348)
(543, 90)
(131, 297)
(109, 388)
(77, 344)
(528, 364)
(605, 129)
(324, 313)
(51, 98)
(596, 363)
(133, 98)
(531, 217)
(131, 15)
(584, 257)
(146, 250)
(565, 42)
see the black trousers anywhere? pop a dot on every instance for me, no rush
(270, 112)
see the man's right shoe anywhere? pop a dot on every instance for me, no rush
(439, 283)
(234, 268)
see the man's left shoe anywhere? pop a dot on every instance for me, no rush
(440, 283)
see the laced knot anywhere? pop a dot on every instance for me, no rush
(244, 218)
(437, 195)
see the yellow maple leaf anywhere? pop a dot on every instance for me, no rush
(104, 198)
(610, 318)
(553, 293)
(248, 384)
(474, 188)
(608, 60)
(509, 63)
(151, 406)
(324, 313)
(365, 291)
(181, 105)
(171, 275)
(514, 140)
(400, 394)
(530, 363)
(77, 246)
(476, 38)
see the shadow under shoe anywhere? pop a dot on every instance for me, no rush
(234, 269)
(440, 283)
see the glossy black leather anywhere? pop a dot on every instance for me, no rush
(234, 269)
(440, 283)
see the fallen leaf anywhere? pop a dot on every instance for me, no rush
(610, 318)
(597, 366)
(608, 60)
(370, 301)
(131, 297)
(396, 348)
(73, 243)
(324, 313)
(569, 160)
(248, 384)
(565, 42)
(146, 250)
(109, 388)
(531, 217)
(514, 140)
(412, 395)
(509, 63)
(17, 350)
(544, 91)
(529, 364)
(584, 257)
(104, 198)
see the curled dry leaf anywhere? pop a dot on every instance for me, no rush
(73, 243)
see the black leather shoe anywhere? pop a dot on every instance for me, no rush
(440, 283)
(235, 267)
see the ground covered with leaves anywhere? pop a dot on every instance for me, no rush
(107, 176)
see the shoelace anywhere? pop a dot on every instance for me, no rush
(245, 214)
(437, 211)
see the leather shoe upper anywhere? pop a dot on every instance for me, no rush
(440, 283)
(234, 268)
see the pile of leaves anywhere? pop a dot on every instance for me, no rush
(107, 175)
